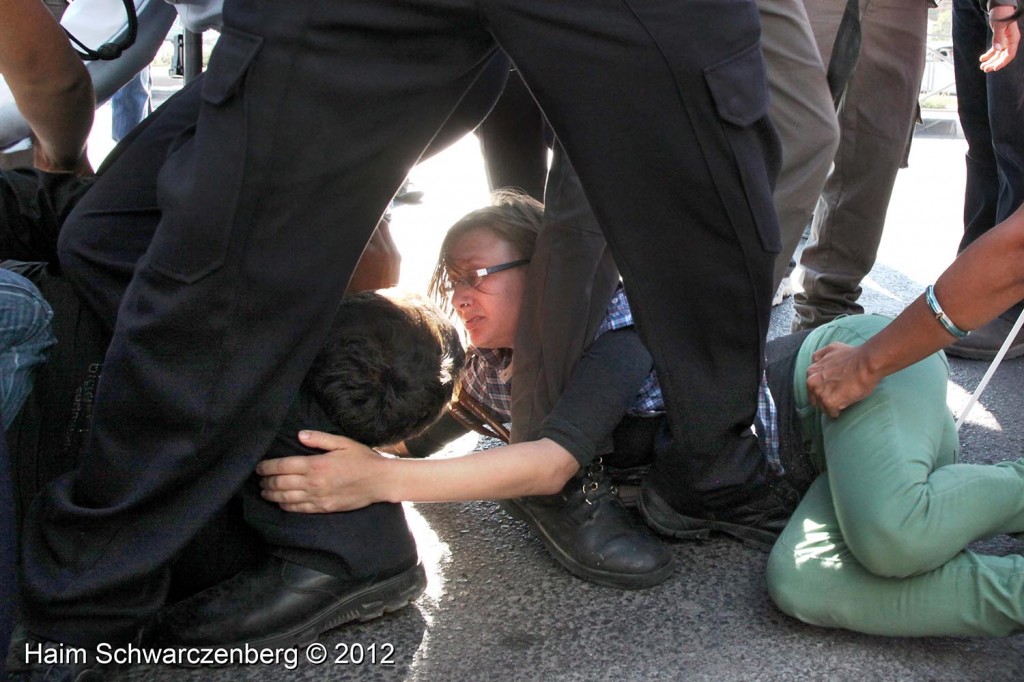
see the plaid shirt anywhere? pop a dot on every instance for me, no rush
(488, 378)
(766, 425)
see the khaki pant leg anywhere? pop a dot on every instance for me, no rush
(875, 119)
(570, 282)
(803, 114)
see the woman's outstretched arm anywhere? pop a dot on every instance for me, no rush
(350, 475)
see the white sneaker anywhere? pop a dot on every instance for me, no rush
(784, 291)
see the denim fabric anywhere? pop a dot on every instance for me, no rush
(24, 337)
(8, 552)
(130, 105)
(990, 108)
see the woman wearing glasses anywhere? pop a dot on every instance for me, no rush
(608, 414)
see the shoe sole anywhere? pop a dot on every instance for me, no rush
(691, 528)
(371, 602)
(987, 355)
(621, 581)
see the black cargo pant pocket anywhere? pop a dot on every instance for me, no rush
(739, 87)
(201, 181)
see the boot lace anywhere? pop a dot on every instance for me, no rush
(595, 484)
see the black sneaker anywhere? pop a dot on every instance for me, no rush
(34, 659)
(759, 520)
(589, 532)
(757, 523)
(984, 342)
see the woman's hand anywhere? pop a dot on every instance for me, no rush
(838, 378)
(343, 479)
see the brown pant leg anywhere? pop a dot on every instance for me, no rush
(557, 322)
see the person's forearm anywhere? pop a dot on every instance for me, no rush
(535, 468)
(985, 280)
(50, 85)
(61, 132)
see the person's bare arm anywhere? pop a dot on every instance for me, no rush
(351, 475)
(380, 264)
(986, 279)
(51, 86)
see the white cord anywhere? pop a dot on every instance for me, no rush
(991, 370)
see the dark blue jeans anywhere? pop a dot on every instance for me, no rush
(24, 337)
(130, 105)
(8, 553)
(991, 108)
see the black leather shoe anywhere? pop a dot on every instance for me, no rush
(31, 658)
(588, 531)
(279, 604)
(626, 483)
(758, 522)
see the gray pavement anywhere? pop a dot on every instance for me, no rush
(498, 608)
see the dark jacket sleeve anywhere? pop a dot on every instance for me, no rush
(435, 437)
(603, 386)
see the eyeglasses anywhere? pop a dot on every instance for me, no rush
(473, 277)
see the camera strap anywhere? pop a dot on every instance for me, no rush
(112, 50)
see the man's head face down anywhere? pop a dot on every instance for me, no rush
(388, 366)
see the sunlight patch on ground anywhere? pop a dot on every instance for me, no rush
(871, 284)
(434, 553)
(957, 397)
(921, 237)
(435, 556)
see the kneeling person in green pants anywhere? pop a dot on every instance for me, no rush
(878, 542)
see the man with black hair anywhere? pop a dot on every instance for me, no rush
(385, 372)
(378, 374)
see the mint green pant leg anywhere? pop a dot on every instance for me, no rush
(880, 536)
(813, 576)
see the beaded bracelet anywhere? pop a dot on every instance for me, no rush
(940, 314)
